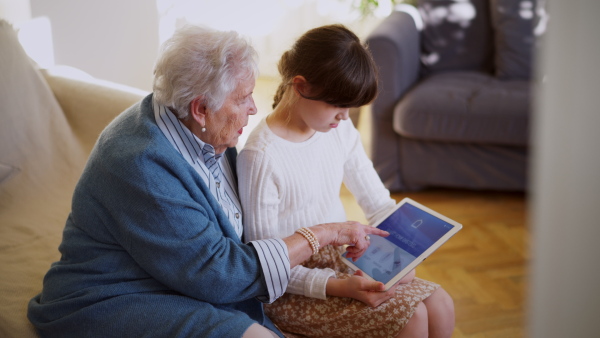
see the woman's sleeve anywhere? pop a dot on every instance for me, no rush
(361, 178)
(260, 190)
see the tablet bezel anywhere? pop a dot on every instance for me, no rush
(418, 260)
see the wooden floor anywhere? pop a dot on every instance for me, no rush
(484, 266)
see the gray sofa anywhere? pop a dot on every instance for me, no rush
(455, 94)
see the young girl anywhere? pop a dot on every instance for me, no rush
(290, 173)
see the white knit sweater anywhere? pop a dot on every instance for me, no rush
(284, 186)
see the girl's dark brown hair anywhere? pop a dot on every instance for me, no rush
(338, 68)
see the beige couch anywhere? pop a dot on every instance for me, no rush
(49, 121)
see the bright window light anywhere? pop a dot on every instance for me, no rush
(272, 25)
(36, 38)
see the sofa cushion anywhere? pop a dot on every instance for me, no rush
(35, 137)
(513, 25)
(89, 104)
(37, 142)
(6, 172)
(469, 107)
(457, 35)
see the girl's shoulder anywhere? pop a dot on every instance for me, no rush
(261, 145)
(346, 127)
(346, 133)
(260, 137)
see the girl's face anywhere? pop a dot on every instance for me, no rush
(320, 116)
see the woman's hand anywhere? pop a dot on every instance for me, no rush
(361, 289)
(351, 233)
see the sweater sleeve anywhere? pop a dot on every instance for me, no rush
(309, 282)
(361, 178)
(260, 189)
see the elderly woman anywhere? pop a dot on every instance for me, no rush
(153, 246)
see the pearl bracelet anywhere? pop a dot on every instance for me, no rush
(311, 238)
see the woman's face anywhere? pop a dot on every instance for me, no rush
(224, 126)
(321, 116)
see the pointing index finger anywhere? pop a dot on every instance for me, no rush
(376, 231)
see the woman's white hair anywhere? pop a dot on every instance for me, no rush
(198, 61)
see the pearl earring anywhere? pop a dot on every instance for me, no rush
(203, 129)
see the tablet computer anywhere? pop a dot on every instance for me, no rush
(415, 233)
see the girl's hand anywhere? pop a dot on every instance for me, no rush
(360, 288)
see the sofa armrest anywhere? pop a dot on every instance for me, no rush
(89, 104)
(395, 46)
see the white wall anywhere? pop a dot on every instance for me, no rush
(272, 25)
(114, 40)
(118, 40)
(15, 11)
(565, 208)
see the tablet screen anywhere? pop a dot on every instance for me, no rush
(412, 232)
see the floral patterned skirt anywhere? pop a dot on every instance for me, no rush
(300, 316)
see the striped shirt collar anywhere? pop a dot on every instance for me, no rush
(272, 253)
(186, 143)
(190, 147)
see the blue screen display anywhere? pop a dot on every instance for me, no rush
(412, 231)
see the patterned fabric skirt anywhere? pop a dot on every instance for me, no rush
(300, 316)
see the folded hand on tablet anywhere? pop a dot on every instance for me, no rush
(361, 289)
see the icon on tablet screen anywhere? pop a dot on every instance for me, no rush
(417, 223)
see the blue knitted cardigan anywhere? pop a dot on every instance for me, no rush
(147, 249)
